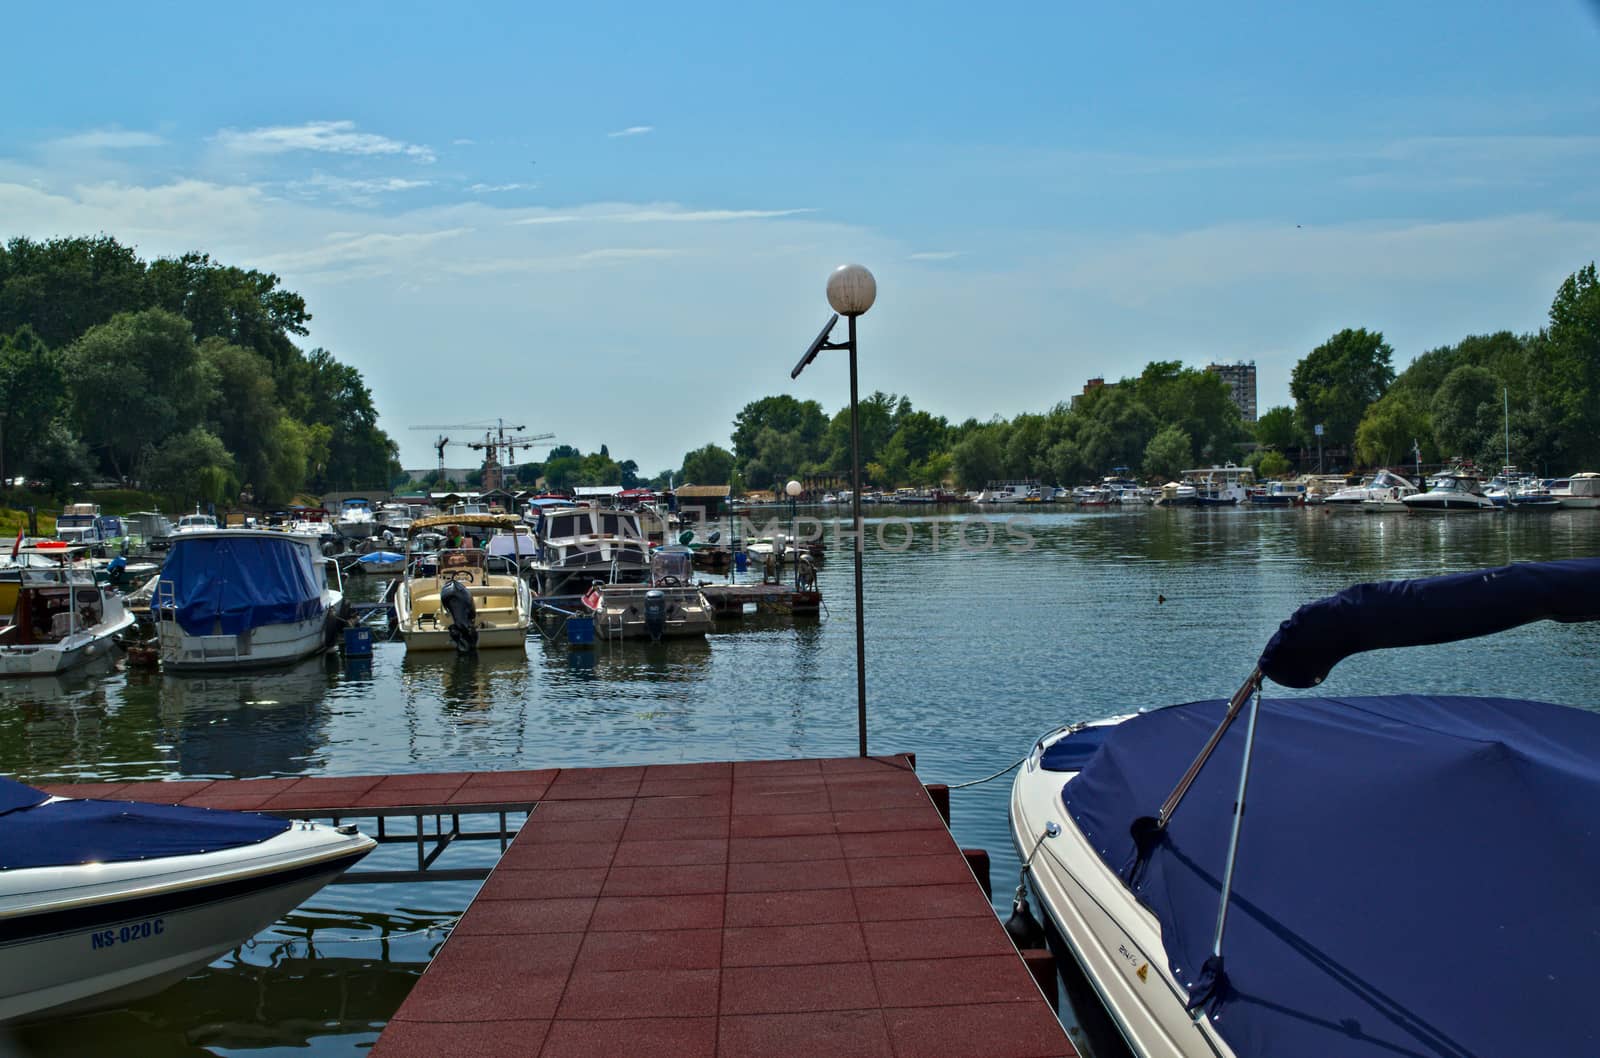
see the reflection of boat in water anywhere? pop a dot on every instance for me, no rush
(102, 902)
(59, 617)
(1353, 907)
(247, 724)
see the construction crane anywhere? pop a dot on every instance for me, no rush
(494, 443)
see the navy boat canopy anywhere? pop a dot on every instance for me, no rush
(67, 833)
(228, 585)
(1409, 613)
(1416, 875)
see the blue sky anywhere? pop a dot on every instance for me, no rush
(614, 223)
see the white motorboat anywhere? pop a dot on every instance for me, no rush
(452, 598)
(1385, 485)
(103, 902)
(1005, 491)
(196, 523)
(356, 519)
(1220, 486)
(242, 598)
(54, 615)
(578, 547)
(1450, 492)
(1581, 490)
(1398, 879)
(670, 604)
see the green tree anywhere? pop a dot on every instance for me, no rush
(978, 458)
(1277, 428)
(244, 409)
(61, 457)
(1391, 426)
(1168, 452)
(1273, 465)
(1572, 386)
(1336, 381)
(135, 381)
(360, 455)
(1466, 413)
(32, 394)
(63, 287)
(193, 465)
(710, 465)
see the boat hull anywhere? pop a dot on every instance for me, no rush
(260, 647)
(1115, 941)
(48, 659)
(112, 942)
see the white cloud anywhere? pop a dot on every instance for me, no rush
(463, 141)
(495, 189)
(632, 130)
(935, 255)
(331, 137)
(108, 140)
(656, 214)
(355, 186)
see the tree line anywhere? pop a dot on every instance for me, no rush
(179, 375)
(1449, 403)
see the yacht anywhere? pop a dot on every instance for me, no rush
(104, 902)
(55, 615)
(1450, 492)
(1385, 484)
(452, 598)
(1349, 908)
(196, 523)
(1582, 490)
(577, 547)
(356, 519)
(1006, 491)
(244, 598)
(1279, 494)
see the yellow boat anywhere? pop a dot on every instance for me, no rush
(450, 600)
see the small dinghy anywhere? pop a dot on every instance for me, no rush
(380, 562)
(1414, 875)
(102, 902)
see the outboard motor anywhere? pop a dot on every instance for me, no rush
(456, 599)
(655, 613)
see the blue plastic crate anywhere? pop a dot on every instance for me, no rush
(358, 642)
(580, 631)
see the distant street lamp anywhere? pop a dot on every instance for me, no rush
(851, 292)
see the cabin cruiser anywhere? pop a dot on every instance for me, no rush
(1353, 909)
(103, 902)
(355, 520)
(54, 616)
(578, 547)
(1580, 490)
(196, 523)
(83, 524)
(669, 604)
(1279, 494)
(1450, 492)
(242, 598)
(151, 528)
(1385, 484)
(1004, 492)
(1178, 494)
(452, 599)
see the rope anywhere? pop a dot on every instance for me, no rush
(990, 778)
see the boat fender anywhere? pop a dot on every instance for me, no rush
(1022, 927)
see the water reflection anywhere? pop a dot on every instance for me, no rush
(247, 724)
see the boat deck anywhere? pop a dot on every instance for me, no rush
(766, 908)
(730, 600)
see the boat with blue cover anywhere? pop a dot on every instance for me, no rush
(102, 902)
(244, 598)
(1414, 874)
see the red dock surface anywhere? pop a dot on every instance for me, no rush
(769, 909)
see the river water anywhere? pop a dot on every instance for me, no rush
(981, 634)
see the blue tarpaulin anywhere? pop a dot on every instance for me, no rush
(1416, 875)
(1408, 613)
(229, 585)
(64, 833)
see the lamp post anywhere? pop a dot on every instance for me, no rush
(851, 292)
(793, 489)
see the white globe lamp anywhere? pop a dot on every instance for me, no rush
(851, 290)
(793, 489)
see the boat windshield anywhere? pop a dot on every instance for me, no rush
(461, 558)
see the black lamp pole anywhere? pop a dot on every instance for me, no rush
(855, 507)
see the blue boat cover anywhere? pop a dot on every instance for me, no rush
(66, 833)
(1408, 613)
(1416, 875)
(381, 556)
(231, 585)
(1073, 752)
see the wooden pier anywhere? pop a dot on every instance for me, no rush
(768, 908)
(732, 600)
